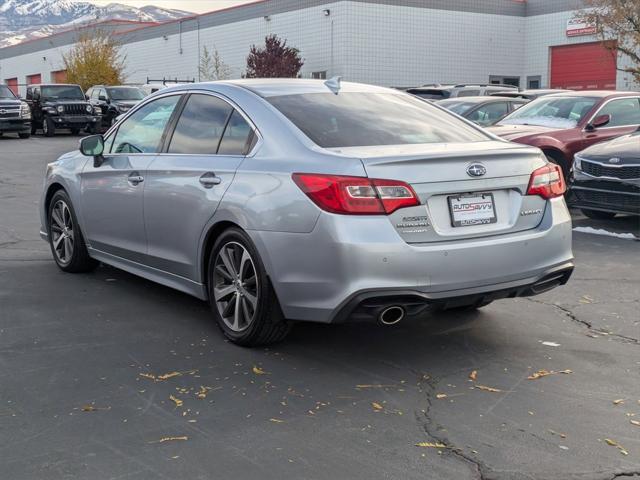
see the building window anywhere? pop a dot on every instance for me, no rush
(319, 75)
(534, 82)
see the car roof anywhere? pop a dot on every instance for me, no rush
(594, 93)
(53, 85)
(480, 99)
(271, 87)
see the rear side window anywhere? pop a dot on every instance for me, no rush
(201, 125)
(352, 119)
(237, 136)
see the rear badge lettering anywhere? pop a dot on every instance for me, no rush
(414, 222)
(526, 213)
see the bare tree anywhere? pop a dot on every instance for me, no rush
(212, 67)
(617, 24)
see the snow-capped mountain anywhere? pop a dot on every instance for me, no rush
(22, 20)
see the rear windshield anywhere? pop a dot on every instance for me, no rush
(370, 119)
(457, 106)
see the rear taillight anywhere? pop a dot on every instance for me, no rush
(547, 182)
(356, 195)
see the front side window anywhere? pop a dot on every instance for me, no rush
(553, 112)
(623, 112)
(200, 126)
(352, 119)
(143, 130)
(62, 92)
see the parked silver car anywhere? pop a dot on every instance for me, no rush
(281, 200)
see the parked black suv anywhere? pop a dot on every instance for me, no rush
(113, 100)
(15, 115)
(56, 106)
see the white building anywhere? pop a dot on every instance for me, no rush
(532, 43)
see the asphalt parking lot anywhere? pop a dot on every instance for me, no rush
(108, 376)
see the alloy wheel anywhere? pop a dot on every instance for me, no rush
(235, 286)
(61, 227)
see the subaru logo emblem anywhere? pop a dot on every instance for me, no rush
(614, 160)
(476, 170)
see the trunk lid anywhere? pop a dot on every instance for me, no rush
(493, 203)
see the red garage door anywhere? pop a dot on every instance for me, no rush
(31, 79)
(584, 66)
(59, 76)
(12, 83)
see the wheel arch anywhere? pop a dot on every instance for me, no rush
(209, 239)
(51, 191)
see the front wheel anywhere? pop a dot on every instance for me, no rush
(24, 135)
(241, 296)
(75, 131)
(597, 214)
(66, 241)
(48, 127)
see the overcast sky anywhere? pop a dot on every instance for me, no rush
(198, 6)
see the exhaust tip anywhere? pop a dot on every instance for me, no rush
(391, 315)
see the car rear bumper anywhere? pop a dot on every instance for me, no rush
(317, 275)
(18, 125)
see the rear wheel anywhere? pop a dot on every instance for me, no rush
(597, 214)
(66, 241)
(241, 296)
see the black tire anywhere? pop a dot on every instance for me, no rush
(61, 222)
(597, 214)
(24, 135)
(34, 128)
(265, 324)
(558, 159)
(48, 127)
(75, 131)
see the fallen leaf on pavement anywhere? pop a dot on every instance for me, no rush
(175, 400)
(441, 395)
(170, 439)
(91, 408)
(148, 375)
(276, 420)
(167, 376)
(619, 401)
(613, 443)
(473, 375)
(551, 344)
(375, 386)
(561, 435)
(635, 422)
(545, 373)
(431, 445)
(258, 371)
(487, 389)
(377, 406)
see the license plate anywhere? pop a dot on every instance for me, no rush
(472, 209)
(77, 120)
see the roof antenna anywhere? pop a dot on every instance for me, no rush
(333, 84)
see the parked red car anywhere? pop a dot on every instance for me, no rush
(566, 123)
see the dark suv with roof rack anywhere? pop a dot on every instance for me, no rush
(15, 116)
(56, 106)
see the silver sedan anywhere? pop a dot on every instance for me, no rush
(283, 200)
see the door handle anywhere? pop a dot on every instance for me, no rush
(135, 178)
(209, 180)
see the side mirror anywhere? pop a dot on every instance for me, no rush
(102, 98)
(599, 121)
(93, 146)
